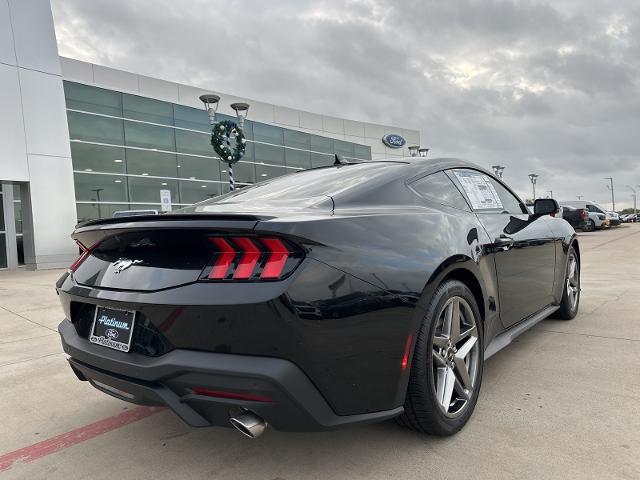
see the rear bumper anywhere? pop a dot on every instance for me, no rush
(296, 404)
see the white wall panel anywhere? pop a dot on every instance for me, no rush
(45, 122)
(53, 208)
(106, 77)
(261, 112)
(286, 116)
(371, 130)
(76, 71)
(7, 51)
(34, 35)
(393, 130)
(353, 128)
(159, 89)
(227, 100)
(190, 96)
(333, 124)
(393, 152)
(311, 120)
(13, 157)
(411, 136)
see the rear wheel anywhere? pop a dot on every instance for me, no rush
(448, 360)
(571, 294)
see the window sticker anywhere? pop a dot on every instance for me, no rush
(478, 187)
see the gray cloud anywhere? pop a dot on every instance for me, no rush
(543, 86)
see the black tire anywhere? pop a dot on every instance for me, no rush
(422, 411)
(568, 307)
(591, 226)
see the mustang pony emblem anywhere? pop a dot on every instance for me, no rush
(123, 264)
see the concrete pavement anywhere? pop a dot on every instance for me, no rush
(563, 402)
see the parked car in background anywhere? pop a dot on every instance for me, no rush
(630, 218)
(597, 215)
(578, 218)
(614, 219)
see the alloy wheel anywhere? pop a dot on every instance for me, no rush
(456, 356)
(573, 280)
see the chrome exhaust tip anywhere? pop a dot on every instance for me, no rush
(249, 424)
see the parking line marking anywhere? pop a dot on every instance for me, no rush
(73, 437)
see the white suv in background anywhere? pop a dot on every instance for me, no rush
(598, 217)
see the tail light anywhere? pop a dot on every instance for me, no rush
(84, 253)
(583, 214)
(251, 258)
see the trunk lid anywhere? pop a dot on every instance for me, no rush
(152, 253)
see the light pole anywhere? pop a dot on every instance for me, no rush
(534, 178)
(635, 197)
(423, 152)
(98, 190)
(211, 103)
(413, 150)
(242, 110)
(498, 169)
(579, 197)
(613, 198)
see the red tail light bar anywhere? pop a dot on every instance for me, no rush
(251, 258)
(84, 253)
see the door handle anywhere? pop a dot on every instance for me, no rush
(503, 242)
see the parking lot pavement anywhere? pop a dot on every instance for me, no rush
(560, 403)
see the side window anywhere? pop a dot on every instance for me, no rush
(593, 208)
(486, 194)
(437, 187)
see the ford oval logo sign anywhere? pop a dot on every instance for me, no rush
(112, 333)
(393, 141)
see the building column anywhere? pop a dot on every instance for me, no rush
(10, 225)
(35, 149)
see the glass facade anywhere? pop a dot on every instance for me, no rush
(126, 148)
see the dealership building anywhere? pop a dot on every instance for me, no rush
(82, 141)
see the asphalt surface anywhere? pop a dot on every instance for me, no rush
(562, 402)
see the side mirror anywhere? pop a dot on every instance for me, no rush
(545, 206)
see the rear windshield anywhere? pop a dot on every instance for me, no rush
(306, 184)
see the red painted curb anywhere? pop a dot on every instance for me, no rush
(79, 435)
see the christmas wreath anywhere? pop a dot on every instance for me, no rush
(222, 136)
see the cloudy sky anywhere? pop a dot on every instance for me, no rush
(551, 87)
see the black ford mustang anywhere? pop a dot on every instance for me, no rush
(334, 296)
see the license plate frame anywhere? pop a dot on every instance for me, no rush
(113, 320)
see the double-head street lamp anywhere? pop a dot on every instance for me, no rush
(418, 151)
(498, 169)
(211, 103)
(534, 178)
